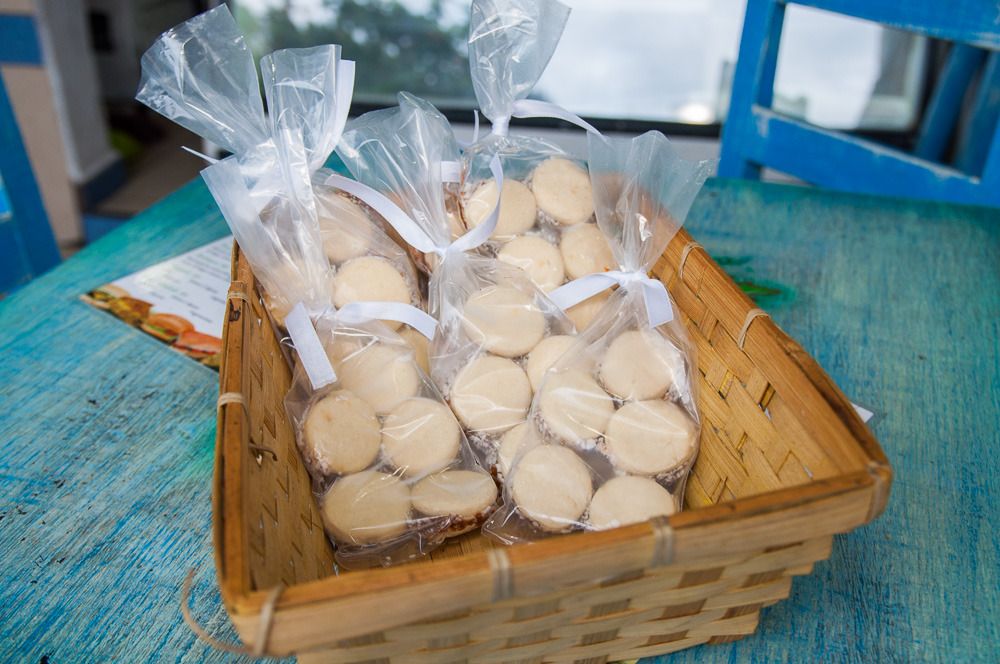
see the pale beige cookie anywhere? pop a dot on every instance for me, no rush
(573, 406)
(366, 507)
(584, 313)
(341, 433)
(551, 486)
(511, 443)
(562, 190)
(625, 500)
(370, 279)
(465, 494)
(420, 345)
(344, 226)
(504, 320)
(517, 207)
(650, 437)
(641, 364)
(538, 257)
(381, 374)
(544, 355)
(420, 436)
(585, 251)
(491, 394)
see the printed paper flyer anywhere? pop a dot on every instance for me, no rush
(181, 301)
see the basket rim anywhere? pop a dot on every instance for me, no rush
(867, 486)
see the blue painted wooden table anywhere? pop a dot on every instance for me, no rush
(107, 435)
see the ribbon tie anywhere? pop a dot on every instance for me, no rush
(409, 229)
(310, 349)
(654, 294)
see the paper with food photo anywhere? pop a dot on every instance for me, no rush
(181, 301)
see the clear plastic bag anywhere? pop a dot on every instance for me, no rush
(490, 315)
(297, 238)
(613, 429)
(546, 222)
(392, 470)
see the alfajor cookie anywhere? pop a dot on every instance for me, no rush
(381, 374)
(341, 433)
(584, 313)
(517, 207)
(366, 507)
(641, 364)
(562, 190)
(510, 445)
(345, 228)
(420, 345)
(585, 251)
(573, 407)
(625, 500)
(370, 279)
(538, 257)
(551, 486)
(504, 320)
(466, 495)
(650, 437)
(420, 436)
(544, 355)
(491, 394)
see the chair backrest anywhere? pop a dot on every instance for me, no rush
(755, 136)
(27, 244)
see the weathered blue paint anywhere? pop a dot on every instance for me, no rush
(19, 40)
(755, 136)
(107, 436)
(27, 245)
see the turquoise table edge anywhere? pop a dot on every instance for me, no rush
(899, 302)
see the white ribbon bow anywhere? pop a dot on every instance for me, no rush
(654, 294)
(310, 349)
(409, 229)
(530, 108)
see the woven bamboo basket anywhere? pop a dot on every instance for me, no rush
(785, 464)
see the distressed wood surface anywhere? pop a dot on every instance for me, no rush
(108, 435)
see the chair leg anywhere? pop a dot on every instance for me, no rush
(945, 104)
(753, 85)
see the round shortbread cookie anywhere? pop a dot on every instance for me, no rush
(538, 257)
(491, 394)
(510, 445)
(641, 364)
(573, 406)
(462, 493)
(367, 507)
(341, 433)
(585, 251)
(504, 320)
(562, 190)
(369, 279)
(584, 313)
(544, 355)
(551, 486)
(420, 436)
(420, 345)
(345, 228)
(381, 374)
(625, 500)
(517, 207)
(650, 437)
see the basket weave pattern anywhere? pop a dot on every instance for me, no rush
(784, 465)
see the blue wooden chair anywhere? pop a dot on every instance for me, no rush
(755, 136)
(27, 245)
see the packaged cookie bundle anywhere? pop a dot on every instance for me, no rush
(304, 244)
(613, 428)
(491, 318)
(392, 468)
(546, 225)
